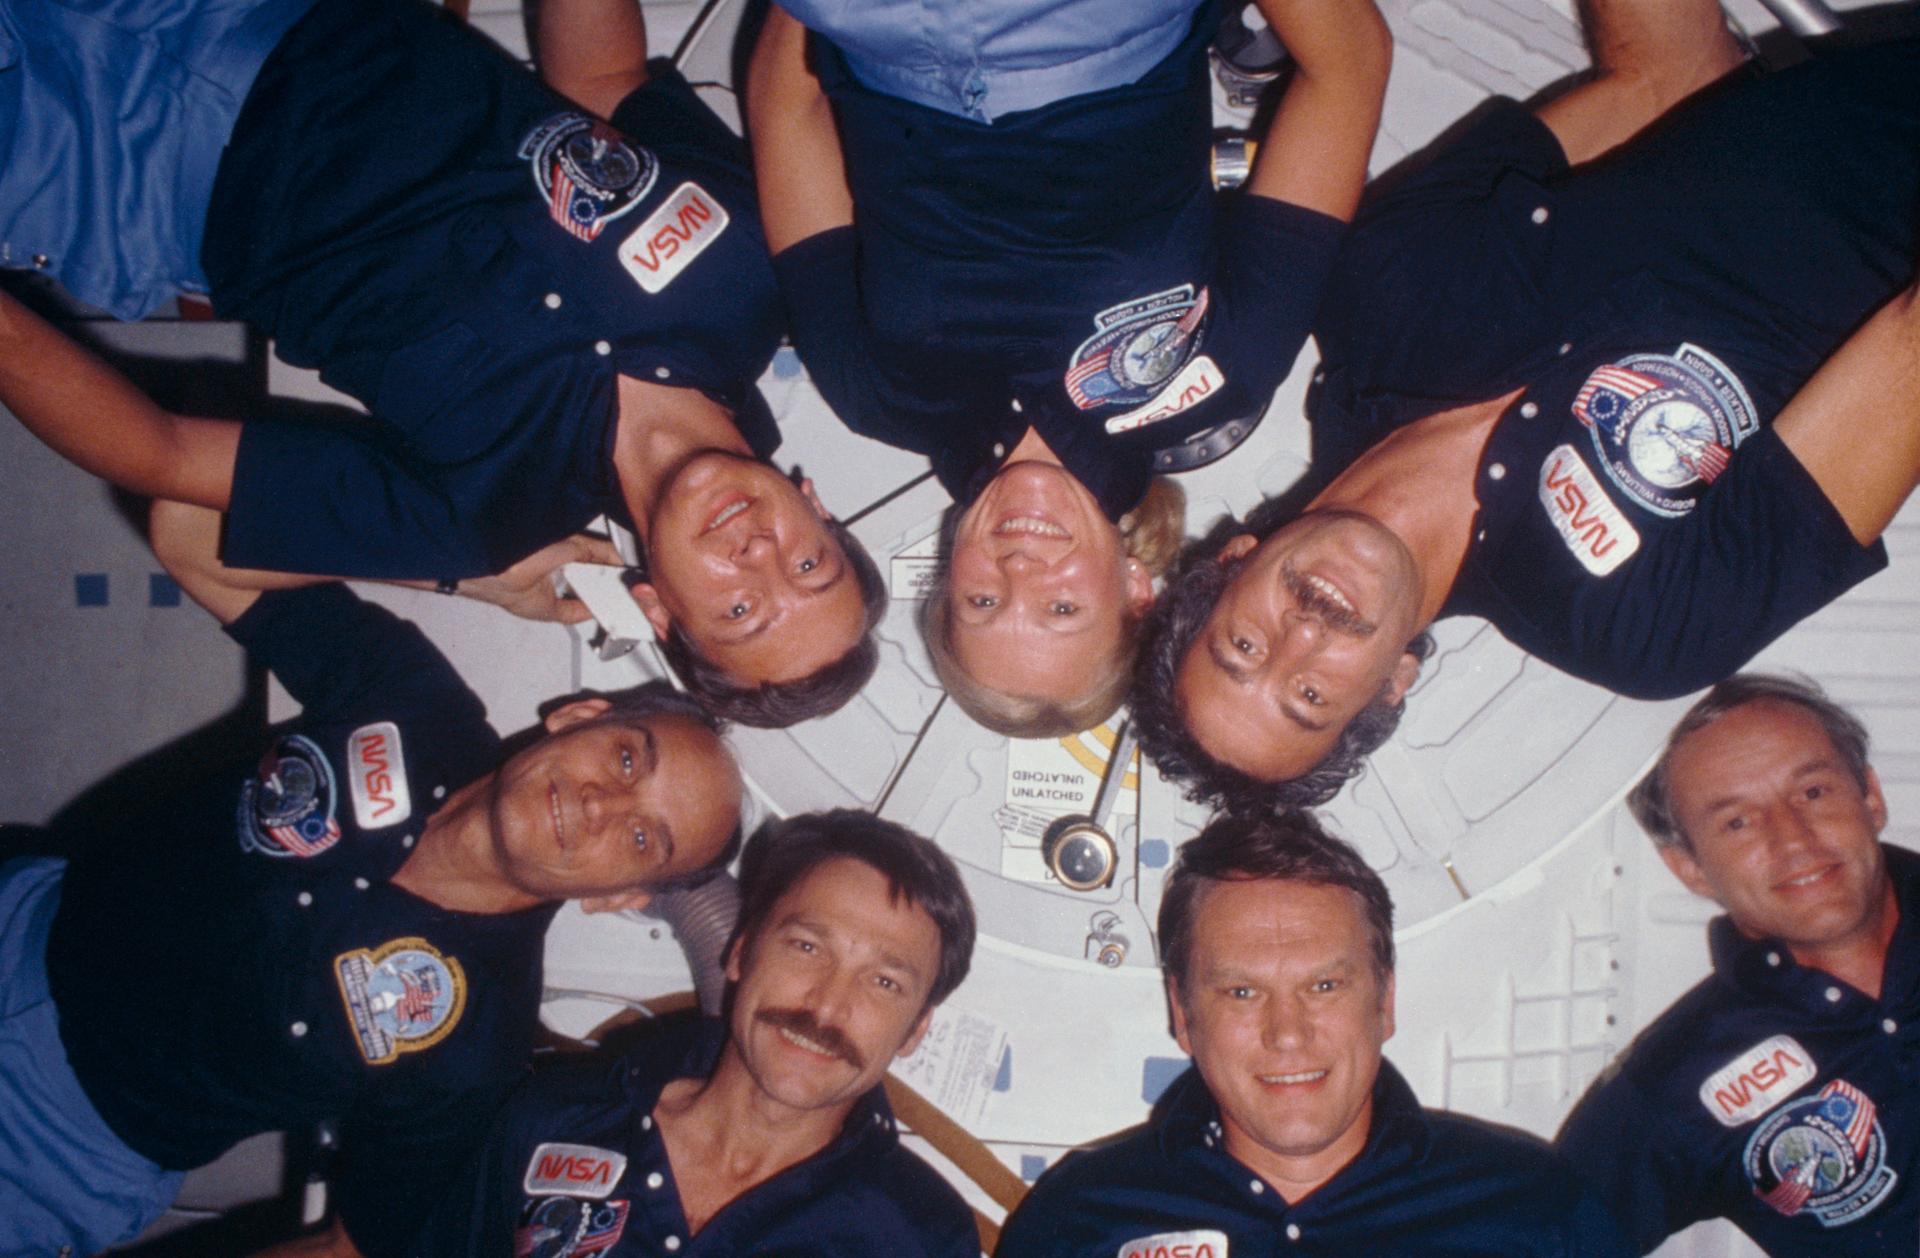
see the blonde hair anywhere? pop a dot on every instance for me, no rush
(1152, 534)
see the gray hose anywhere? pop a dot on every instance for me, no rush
(702, 919)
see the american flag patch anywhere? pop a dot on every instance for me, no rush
(295, 842)
(1081, 373)
(560, 200)
(1858, 1126)
(1607, 391)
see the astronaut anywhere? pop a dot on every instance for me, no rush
(549, 315)
(349, 929)
(1643, 414)
(1277, 943)
(769, 1132)
(1778, 1093)
(997, 238)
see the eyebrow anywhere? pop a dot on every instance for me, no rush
(1302, 721)
(650, 749)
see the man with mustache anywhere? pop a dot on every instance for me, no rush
(768, 1133)
(1779, 1093)
(1277, 942)
(348, 928)
(1643, 413)
(553, 299)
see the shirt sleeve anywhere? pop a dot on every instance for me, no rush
(324, 499)
(342, 657)
(1274, 262)
(1613, 1139)
(820, 285)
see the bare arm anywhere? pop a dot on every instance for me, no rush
(796, 150)
(186, 538)
(1315, 150)
(72, 400)
(1648, 55)
(594, 52)
(1855, 426)
(332, 1243)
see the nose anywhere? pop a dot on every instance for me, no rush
(831, 995)
(1286, 1025)
(1018, 561)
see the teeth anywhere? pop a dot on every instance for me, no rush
(1030, 524)
(794, 1037)
(553, 809)
(1327, 588)
(1807, 878)
(1304, 1077)
(732, 510)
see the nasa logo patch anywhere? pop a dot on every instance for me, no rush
(401, 997)
(564, 1227)
(1757, 1080)
(1822, 1155)
(587, 172)
(1197, 382)
(287, 807)
(673, 236)
(377, 776)
(578, 1170)
(1665, 426)
(1205, 1243)
(1595, 530)
(1137, 347)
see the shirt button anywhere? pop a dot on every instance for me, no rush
(304, 899)
(1481, 536)
(1773, 959)
(603, 348)
(1320, 377)
(299, 1029)
(655, 1179)
(1833, 995)
(1539, 214)
(646, 1124)
(1017, 408)
(1256, 1187)
(1293, 1231)
(1566, 347)
(42, 261)
(662, 373)
(671, 1244)
(361, 884)
(439, 792)
(1497, 471)
(999, 450)
(1528, 410)
(1889, 1025)
(553, 301)
(407, 842)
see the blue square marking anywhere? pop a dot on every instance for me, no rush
(1157, 1075)
(1154, 853)
(1003, 1081)
(1031, 1164)
(162, 590)
(89, 589)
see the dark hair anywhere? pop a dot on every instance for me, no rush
(778, 704)
(1289, 847)
(1650, 800)
(784, 852)
(1183, 607)
(637, 704)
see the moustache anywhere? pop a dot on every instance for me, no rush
(810, 1028)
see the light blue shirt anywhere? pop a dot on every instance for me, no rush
(983, 59)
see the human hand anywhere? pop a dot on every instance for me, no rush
(527, 588)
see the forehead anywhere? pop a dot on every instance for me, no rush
(854, 901)
(1277, 923)
(1753, 741)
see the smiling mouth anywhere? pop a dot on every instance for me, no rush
(1305, 1076)
(731, 508)
(1807, 880)
(794, 1037)
(1029, 526)
(553, 813)
(1330, 592)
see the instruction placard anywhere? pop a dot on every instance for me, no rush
(1049, 778)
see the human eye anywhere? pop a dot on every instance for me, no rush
(1817, 790)
(1243, 644)
(1238, 991)
(1313, 697)
(889, 984)
(808, 565)
(738, 611)
(1737, 821)
(640, 838)
(626, 761)
(1061, 607)
(1325, 985)
(985, 602)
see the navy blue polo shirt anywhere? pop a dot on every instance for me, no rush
(576, 1165)
(1639, 526)
(234, 958)
(474, 258)
(1067, 268)
(1425, 1183)
(1771, 1095)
